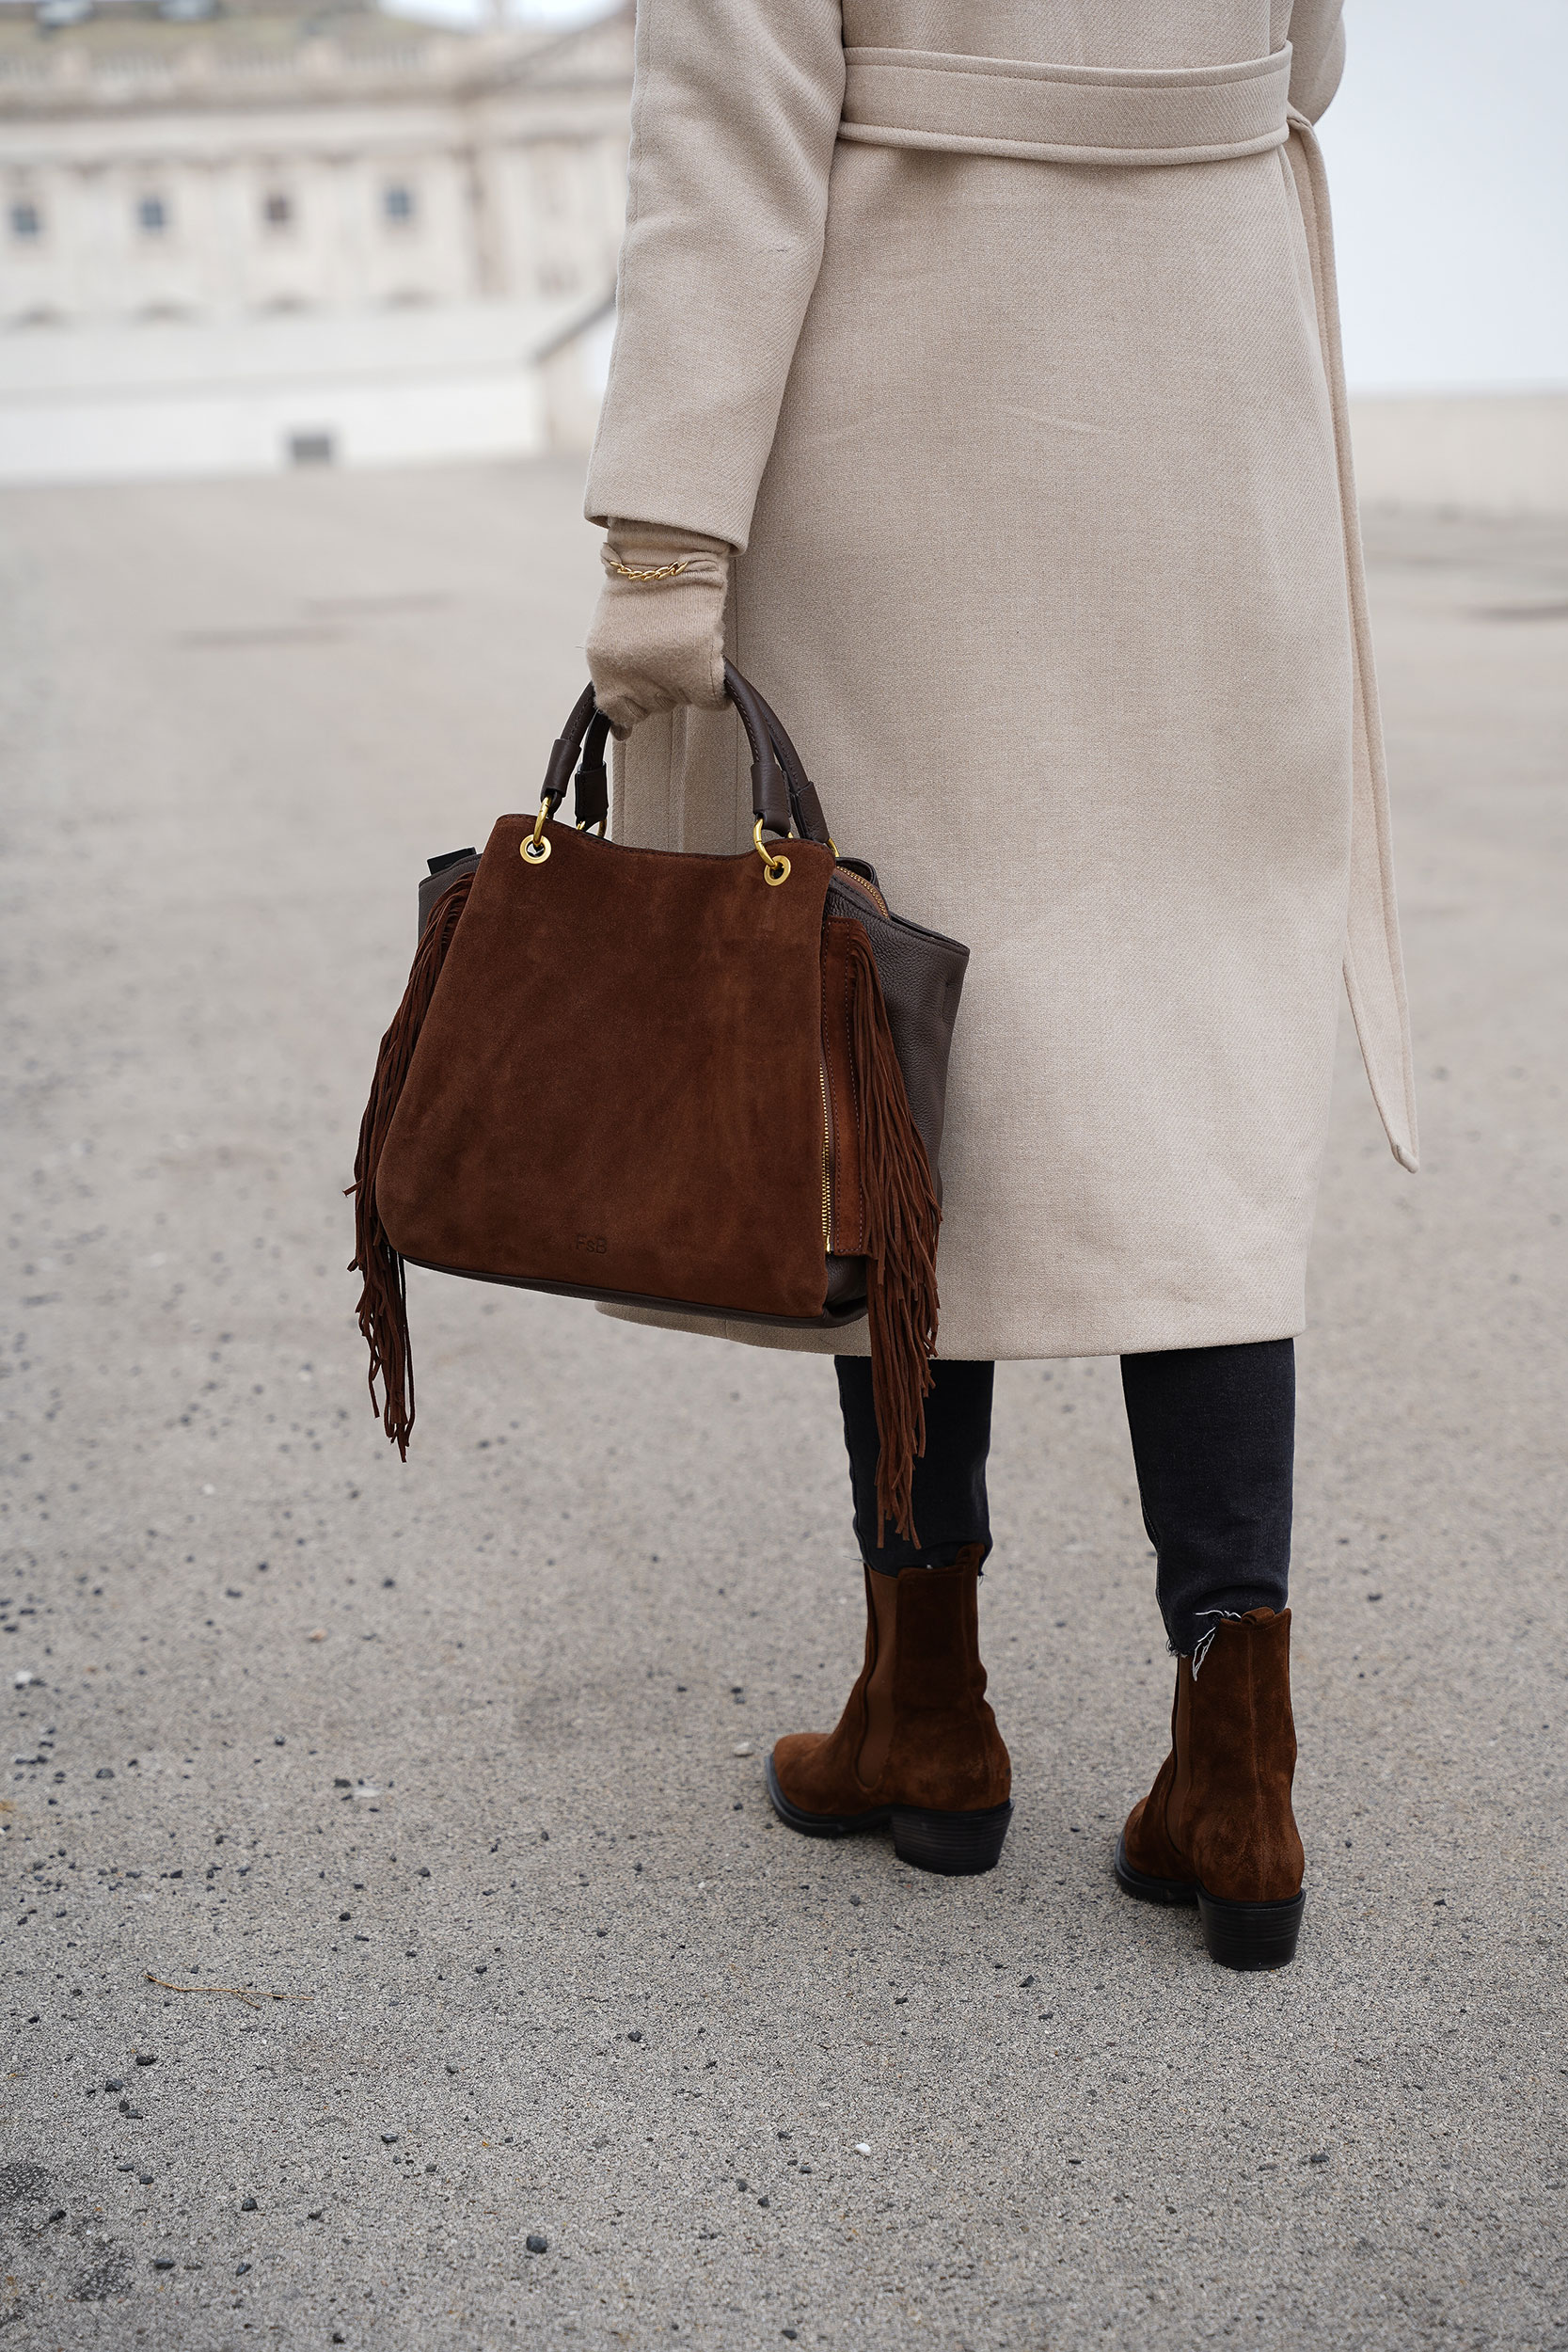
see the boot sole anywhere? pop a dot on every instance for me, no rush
(953, 1845)
(1237, 1935)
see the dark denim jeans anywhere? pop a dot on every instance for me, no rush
(1213, 1441)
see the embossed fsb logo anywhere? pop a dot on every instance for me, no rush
(594, 1242)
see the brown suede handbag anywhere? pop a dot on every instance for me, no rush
(743, 1118)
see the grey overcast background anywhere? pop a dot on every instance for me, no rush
(1449, 166)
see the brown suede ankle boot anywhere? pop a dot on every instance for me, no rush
(1216, 1828)
(916, 1745)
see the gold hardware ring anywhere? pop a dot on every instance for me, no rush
(536, 850)
(775, 869)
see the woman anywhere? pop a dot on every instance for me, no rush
(976, 388)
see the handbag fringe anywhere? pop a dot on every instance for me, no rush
(901, 1222)
(384, 1298)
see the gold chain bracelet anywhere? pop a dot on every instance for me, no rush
(665, 571)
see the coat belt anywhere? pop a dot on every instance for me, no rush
(1374, 961)
(1058, 114)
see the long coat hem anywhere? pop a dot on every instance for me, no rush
(1142, 1328)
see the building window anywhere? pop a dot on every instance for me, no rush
(152, 215)
(277, 211)
(26, 219)
(397, 206)
(549, 193)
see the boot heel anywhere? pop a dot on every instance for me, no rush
(1251, 1935)
(955, 1845)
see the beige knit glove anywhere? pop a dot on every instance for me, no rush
(657, 634)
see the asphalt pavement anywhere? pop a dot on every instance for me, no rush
(400, 1949)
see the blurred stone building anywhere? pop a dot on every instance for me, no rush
(237, 234)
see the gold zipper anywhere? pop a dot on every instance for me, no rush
(827, 1155)
(858, 882)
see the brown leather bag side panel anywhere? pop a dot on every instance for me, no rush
(922, 976)
(617, 1083)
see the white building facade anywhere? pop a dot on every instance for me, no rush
(282, 234)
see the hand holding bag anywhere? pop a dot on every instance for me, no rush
(740, 1117)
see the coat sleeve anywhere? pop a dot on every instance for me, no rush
(735, 107)
(1318, 55)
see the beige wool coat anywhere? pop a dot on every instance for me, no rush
(1001, 337)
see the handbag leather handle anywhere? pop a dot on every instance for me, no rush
(779, 787)
(769, 787)
(584, 732)
(806, 809)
